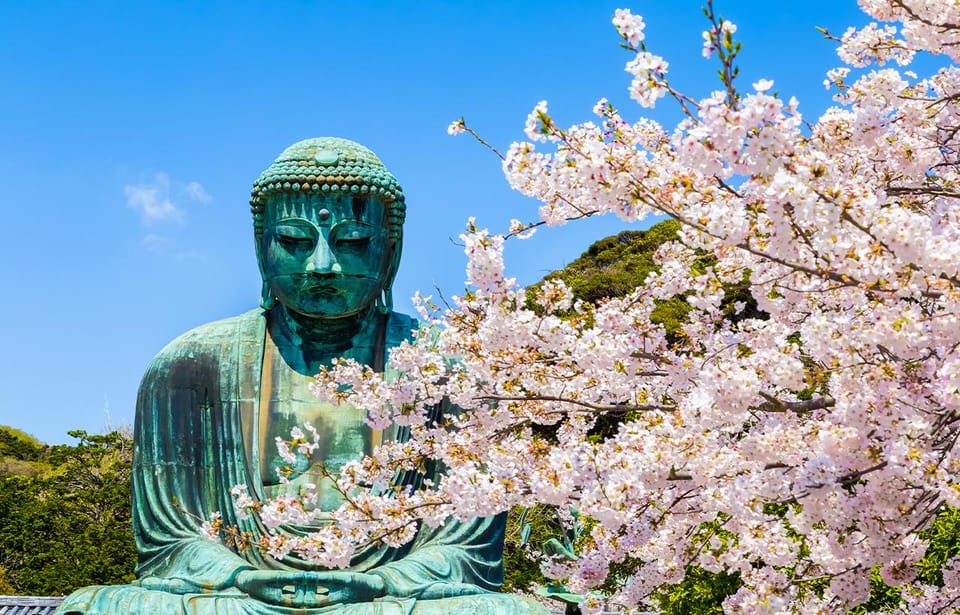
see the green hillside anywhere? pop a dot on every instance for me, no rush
(615, 265)
(21, 453)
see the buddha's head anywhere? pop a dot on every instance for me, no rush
(328, 222)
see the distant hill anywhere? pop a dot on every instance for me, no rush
(21, 453)
(615, 265)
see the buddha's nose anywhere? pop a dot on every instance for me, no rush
(322, 260)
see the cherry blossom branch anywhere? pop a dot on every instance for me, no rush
(944, 26)
(727, 49)
(604, 408)
(773, 404)
(460, 125)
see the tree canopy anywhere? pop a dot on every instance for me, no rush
(64, 513)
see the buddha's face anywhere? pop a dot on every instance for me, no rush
(325, 256)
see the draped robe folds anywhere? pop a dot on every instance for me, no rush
(196, 438)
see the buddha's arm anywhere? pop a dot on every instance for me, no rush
(178, 467)
(457, 558)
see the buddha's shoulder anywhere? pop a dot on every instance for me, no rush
(213, 337)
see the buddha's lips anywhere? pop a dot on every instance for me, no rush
(321, 289)
(329, 284)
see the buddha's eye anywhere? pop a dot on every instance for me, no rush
(351, 234)
(295, 237)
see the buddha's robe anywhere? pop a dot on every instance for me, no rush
(196, 437)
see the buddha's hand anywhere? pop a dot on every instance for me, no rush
(310, 589)
(436, 591)
(169, 585)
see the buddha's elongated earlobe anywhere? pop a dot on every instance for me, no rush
(384, 300)
(267, 300)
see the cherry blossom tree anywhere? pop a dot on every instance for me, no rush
(804, 448)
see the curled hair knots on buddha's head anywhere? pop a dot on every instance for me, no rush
(330, 165)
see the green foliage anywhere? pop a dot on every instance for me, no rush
(944, 543)
(882, 596)
(68, 526)
(12, 465)
(944, 537)
(533, 526)
(541, 525)
(21, 453)
(671, 313)
(700, 592)
(616, 265)
(6, 589)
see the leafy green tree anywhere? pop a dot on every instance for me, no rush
(533, 527)
(6, 589)
(68, 526)
(700, 592)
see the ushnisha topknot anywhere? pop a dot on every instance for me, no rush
(330, 165)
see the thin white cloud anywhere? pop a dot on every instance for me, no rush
(196, 192)
(152, 200)
(155, 199)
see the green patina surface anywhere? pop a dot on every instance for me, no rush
(328, 222)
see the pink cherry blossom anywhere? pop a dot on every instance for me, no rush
(810, 441)
(629, 26)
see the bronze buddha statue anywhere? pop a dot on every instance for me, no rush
(328, 223)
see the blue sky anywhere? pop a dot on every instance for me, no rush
(132, 132)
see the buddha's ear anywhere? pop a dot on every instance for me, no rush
(393, 265)
(258, 246)
(259, 216)
(267, 300)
